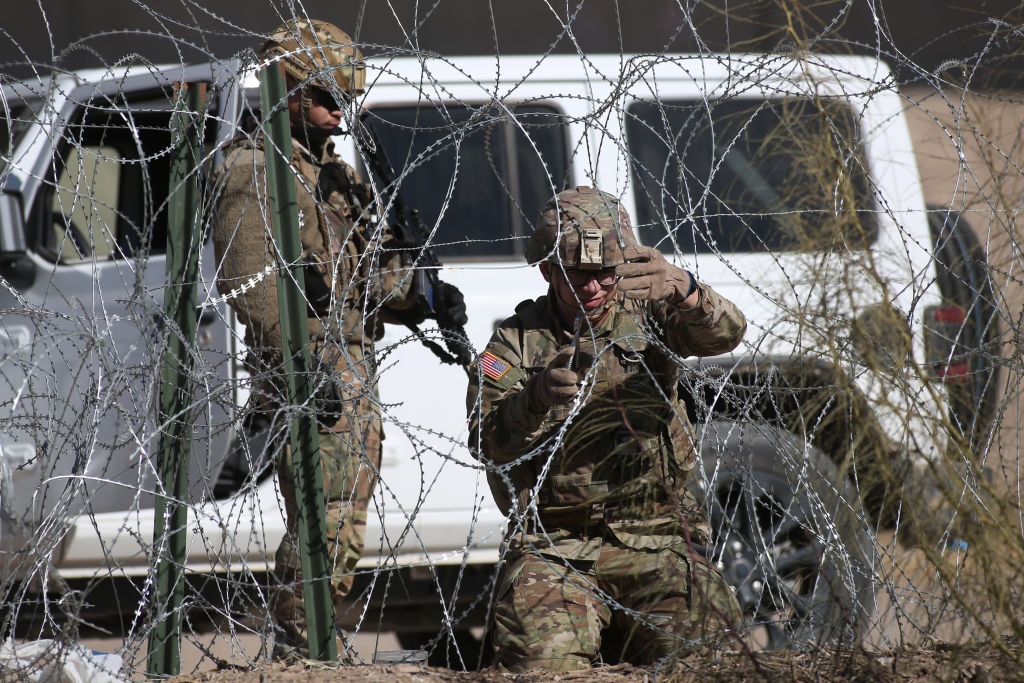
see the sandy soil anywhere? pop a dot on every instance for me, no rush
(936, 663)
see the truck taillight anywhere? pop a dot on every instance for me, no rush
(953, 371)
(947, 348)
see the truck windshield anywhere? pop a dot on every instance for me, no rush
(489, 171)
(749, 176)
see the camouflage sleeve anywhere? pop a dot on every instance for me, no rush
(244, 243)
(501, 425)
(715, 325)
(391, 284)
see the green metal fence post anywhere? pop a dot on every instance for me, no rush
(184, 241)
(304, 439)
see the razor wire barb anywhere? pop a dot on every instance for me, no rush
(858, 456)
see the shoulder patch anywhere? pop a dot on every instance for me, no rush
(498, 372)
(492, 366)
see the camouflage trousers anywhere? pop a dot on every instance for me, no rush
(629, 605)
(350, 454)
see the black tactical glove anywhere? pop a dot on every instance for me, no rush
(555, 386)
(328, 392)
(450, 306)
(318, 291)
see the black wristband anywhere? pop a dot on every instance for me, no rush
(693, 285)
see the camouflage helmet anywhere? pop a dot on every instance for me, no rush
(591, 228)
(317, 50)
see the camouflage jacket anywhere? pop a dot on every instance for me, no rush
(614, 461)
(353, 282)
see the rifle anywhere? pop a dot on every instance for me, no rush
(410, 235)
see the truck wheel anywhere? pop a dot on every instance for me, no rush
(788, 534)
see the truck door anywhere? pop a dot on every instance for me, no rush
(81, 338)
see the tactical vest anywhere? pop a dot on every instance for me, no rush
(345, 264)
(626, 453)
(340, 264)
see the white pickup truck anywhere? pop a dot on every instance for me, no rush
(788, 184)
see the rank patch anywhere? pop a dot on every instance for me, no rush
(493, 367)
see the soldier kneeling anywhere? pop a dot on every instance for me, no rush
(601, 566)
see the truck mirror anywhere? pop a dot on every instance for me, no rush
(16, 267)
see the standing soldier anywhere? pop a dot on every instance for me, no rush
(354, 284)
(575, 402)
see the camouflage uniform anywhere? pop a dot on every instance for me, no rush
(603, 567)
(352, 285)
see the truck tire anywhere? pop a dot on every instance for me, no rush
(788, 534)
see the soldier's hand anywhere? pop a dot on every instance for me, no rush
(450, 306)
(647, 275)
(331, 179)
(328, 392)
(556, 385)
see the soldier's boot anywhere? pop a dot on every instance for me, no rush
(287, 609)
(286, 604)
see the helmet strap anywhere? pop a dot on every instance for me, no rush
(307, 106)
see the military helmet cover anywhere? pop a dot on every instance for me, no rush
(318, 50)
(590, 227)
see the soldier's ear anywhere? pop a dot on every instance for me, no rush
(545, 270)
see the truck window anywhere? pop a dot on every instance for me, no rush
(749, 176)
(124, 155)
(498, 168)
(105, 196)
(84, 209)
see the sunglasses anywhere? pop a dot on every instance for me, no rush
(577, 278)
(325, 99)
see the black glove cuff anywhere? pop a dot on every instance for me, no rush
(328, 392)
(693, 285)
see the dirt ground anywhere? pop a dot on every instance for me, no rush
(940, 662)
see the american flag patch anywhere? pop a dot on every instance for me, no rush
(493, 367)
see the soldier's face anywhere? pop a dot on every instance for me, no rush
(582, 291)
(324, 111)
